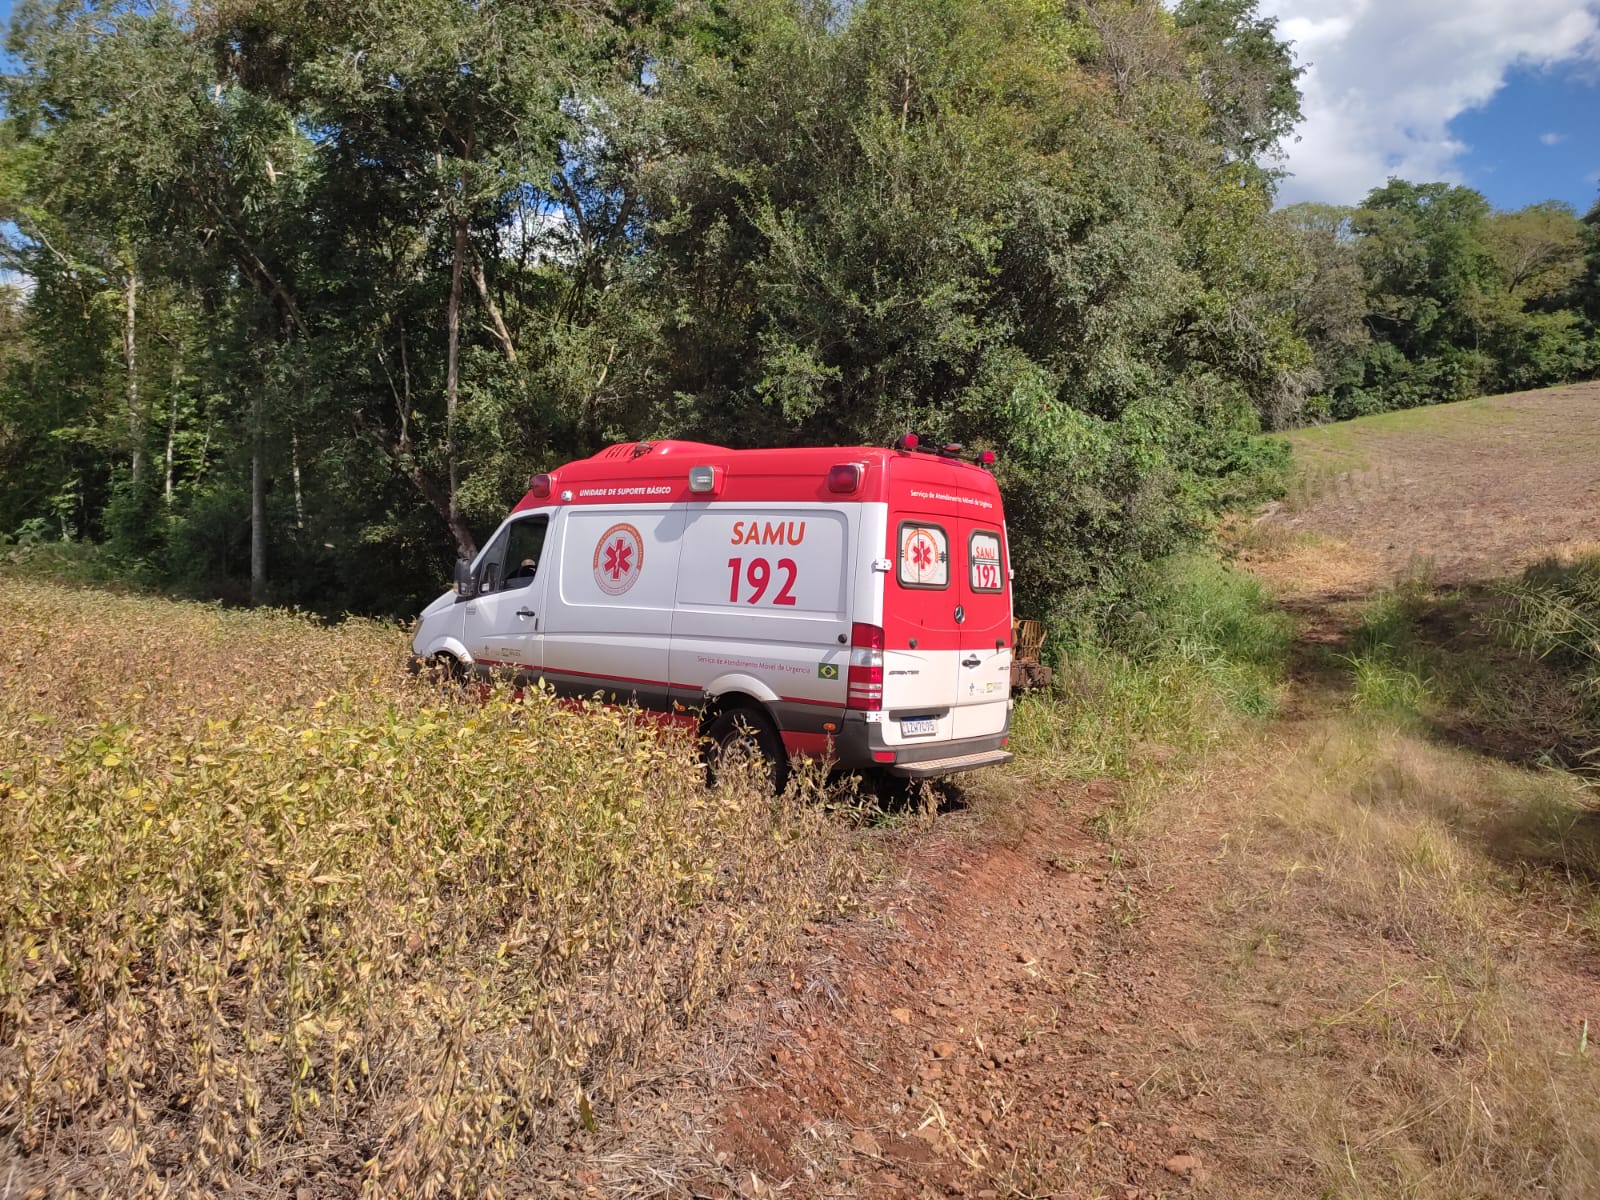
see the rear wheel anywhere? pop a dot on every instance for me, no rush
(738, 736)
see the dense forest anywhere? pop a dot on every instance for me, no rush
(302, 293)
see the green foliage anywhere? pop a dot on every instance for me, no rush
(1390, 669)
(1558, 617)
(932, 219)
(342, 278)
(1247, 74)
(1424, 296)
(1201, 650)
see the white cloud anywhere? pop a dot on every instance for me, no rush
(1552, 139)
(1386, 77)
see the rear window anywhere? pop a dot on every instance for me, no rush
(924, 555)
(985, 562)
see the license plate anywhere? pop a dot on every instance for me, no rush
(918, 726)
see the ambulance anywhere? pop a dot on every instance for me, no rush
(848, 604)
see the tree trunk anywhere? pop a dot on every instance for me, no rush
(172, 418)
(130, 358)
(465, 547)
(498, 323)
(258, 504)
(294, 459)
(400, 454)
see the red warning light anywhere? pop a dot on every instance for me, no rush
(846, 477)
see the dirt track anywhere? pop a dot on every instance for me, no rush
(1030, 1012)
(992, 1040)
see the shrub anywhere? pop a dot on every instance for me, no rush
(1202, 648)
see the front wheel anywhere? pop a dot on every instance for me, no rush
(739, 735)
(446, 671)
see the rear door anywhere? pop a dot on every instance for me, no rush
(921, 590)
(982, 576)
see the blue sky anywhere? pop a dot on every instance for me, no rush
(1500, 95)
(1538, 139)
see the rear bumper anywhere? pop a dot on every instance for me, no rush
(860, 745)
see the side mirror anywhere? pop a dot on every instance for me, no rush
(466, 585)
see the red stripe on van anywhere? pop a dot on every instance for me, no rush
(811, 745)
(655, 683)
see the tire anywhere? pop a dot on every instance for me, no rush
(446, 671)
(744, 732)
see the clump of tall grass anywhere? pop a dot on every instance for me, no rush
(1195, 649)
(265, 904)
(1558, 616)
(1388, 664)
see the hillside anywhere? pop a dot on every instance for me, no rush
(1349, 951)
(1294, 890)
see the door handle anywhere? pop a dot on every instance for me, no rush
(972, 661)
(526, 612)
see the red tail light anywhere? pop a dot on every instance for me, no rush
(864, 689)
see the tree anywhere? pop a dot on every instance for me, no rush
(1247, 75)
(386, 260)
(1538, 251)
(1327, 298)
(935, 217)
(1427, 267)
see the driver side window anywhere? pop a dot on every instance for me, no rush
(513, 559)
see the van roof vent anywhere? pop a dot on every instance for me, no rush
(625, 450)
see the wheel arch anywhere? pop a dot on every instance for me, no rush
(738, 691)
(450, 646)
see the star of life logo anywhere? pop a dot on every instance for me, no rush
(618, 559)
(920, 554)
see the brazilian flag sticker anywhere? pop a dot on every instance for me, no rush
(827, 670)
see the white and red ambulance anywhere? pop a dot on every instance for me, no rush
(852, 604)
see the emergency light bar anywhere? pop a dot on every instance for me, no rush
(910, 443)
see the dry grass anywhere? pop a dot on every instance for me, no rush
(1396, 964)
(270, 914)
(1391, 936)
(1302, 563)
(1404, 1021)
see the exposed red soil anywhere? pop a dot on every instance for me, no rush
(990, 1034)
